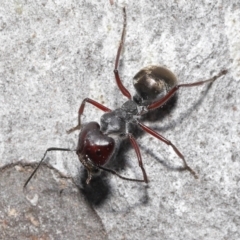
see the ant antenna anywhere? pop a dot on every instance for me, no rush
(48, 150)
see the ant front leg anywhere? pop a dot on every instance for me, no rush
(81, 109)
(124, 91)
(163, 100)
(163, 139)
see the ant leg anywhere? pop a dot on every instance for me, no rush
(48, 150)
(124, 91)
(163, 100)
(137, 150)
(115, 173)
(81, 109)
(163, 139)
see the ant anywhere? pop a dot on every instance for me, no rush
(97, 143)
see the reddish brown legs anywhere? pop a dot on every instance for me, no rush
(81, 109)
(158, 136)
(124, 91)
(163, 100)
(137, 150)
(48, 150)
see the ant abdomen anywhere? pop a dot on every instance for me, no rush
(152, 83)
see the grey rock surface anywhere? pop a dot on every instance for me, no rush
(51, 209)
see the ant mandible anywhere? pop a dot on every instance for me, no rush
(154, 85)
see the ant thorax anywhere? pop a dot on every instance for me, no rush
(117, 121)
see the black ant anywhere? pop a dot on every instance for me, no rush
(97, 143)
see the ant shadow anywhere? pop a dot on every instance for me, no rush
(160, 113)
(188, 112)
(99, 188)
(97, 191)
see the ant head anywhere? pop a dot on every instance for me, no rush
(94, 147)
(152, 83)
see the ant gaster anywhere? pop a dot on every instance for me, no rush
(154, 85)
